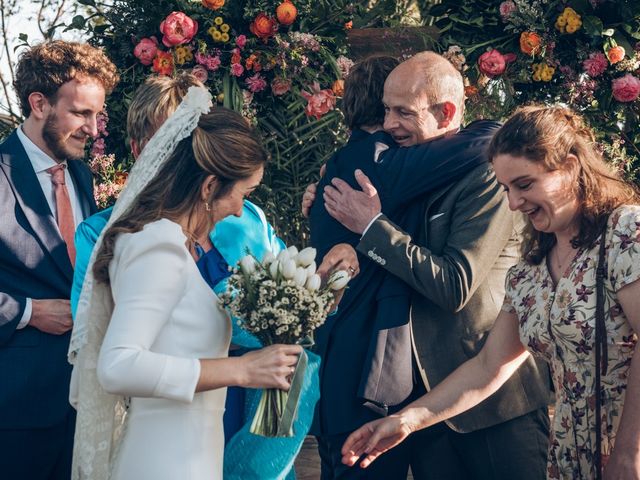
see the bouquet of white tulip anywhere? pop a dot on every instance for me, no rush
(280, 299)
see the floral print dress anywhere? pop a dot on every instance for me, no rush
(557, 323)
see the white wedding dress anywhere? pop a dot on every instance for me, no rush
(165, 318)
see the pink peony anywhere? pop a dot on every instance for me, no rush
(256, 83)
(200, 73)
(319, 101)
(596, 64)
(178, 29)
(492, 63)
(506, 9)
(146, 50)
(236, 69)
(626, 89)
(210, 62)
(280, 86)
(241, 41)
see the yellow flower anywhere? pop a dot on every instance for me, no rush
(224, 28)
(183, 55)
(561, 21)
(224, 37)
(569, 21)
(218, 21)
(536, 77)
(572, 28)
(212, 30)
(217, 36)
(220, 97)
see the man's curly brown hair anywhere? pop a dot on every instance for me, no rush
(46, 67)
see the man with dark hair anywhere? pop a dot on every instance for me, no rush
(45, 192)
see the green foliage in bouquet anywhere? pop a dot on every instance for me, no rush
(280, 63)
(583, 53)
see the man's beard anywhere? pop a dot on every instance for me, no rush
(56, 143)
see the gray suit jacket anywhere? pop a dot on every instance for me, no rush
(457, 269)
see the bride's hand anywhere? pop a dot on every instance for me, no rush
(269, 367)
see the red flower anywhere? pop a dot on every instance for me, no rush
(146, 50)
(286, 12)
(264, 27)
(492, 63)
(178, 29)
(163, 63)
(320, 101)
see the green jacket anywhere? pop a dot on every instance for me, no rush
(457, 268)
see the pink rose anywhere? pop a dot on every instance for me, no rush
(200, 73)
(241, 41)
(178, 29)
(256, 83)
(626, 89)
(492, 63)
(146, 50)
(596, 64)
(319, 101)
(236, 69)
(506, 9)
(280, 86)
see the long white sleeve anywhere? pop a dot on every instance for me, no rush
(149, 275)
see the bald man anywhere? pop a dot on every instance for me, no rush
(455, 264)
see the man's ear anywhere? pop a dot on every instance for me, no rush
(39, 105)
(135, 148)
(447, 114)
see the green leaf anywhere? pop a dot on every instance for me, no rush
(592, 25)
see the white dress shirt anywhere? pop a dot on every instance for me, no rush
(41, 162)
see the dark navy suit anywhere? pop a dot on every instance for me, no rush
(36, 420)
(367, 364)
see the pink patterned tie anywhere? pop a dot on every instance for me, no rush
(66, 224)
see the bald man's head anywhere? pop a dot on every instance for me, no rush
(424, 99)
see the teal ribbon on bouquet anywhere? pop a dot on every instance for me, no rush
(278, 409)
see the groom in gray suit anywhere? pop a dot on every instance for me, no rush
(456, 267)
(45, 191)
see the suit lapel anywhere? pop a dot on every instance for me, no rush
(32, 201)
(84, 187)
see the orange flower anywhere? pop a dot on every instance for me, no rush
(530, 43)
(470, 91)
(120, 178)
(286, 12)
(338, 87)
(235, 56)
(615, 54)
(348, 25)
(213, 4)
(253, 63)
(264, 27)
(163, 63)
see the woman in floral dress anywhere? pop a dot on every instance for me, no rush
(544, 158)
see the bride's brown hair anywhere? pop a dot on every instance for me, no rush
(548, 135)
(223, 144)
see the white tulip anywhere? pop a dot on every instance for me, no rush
(339, 280)
(283, 256)
(289, 269)
(311, 269)
(274, 268)
(313, 282)
(293, 251)
(300, 277)
(306, 257)
(268, 258)
(248, 264)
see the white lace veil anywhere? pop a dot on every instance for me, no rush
(100, 416)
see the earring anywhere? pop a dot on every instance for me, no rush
(207, 207)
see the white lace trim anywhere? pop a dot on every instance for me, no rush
(100, 418)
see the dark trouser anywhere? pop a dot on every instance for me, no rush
(513, 449)
(38, 454)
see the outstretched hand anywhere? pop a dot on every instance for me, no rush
(352, 208)
(373, 439)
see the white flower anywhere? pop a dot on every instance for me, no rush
(293, 251)
(311, 269)
(313, 282)
(300, 277)
(283, 256)
(339, 280)
(248, 264)
(268, 258)
(289, 269)
(273, 269)
(306, 257)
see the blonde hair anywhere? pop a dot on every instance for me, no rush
(153, 102)
(548, 135)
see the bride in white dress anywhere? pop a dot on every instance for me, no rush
(166, 340)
